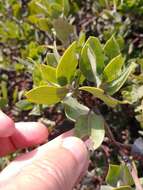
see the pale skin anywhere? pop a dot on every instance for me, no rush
(56, 165)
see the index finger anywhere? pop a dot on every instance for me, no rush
(7, 126)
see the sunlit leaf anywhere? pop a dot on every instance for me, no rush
(112, 48)
(36, 74)
(92, 60)
(97, 53)
(46, 94)
(48, 73)
(44, 24)
(38, 7)
(113, 69)
(99, 93)
(116, 84)
(56, 8)
(81, 39)
(67, 65)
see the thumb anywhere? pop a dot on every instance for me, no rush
(58, 168)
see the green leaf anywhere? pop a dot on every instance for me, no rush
(44, 24)
(66, 6)
(97, 130)
(51, 59)
(113, 69)
(99, 93)
(46, 94)
(56, 9)
(38, 7)
(74, 109)
(4, 90)
(67, 65)
(49, 73)
(64, 30)
(11, 30)
(92, 60)
(116, 84)
(119, 174)
(85, 63)
(3, 102)
(91, 125)
(113, 175)
(37, 74)
(112, 48)
(16, 8)
(56, 54)
(83, 126)
(81, 39)
(15, 94)
(121, 41)
(24, 105)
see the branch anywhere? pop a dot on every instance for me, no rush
(116, 143)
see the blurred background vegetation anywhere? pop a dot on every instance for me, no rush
(31, 30)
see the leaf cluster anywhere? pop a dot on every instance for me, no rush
(103, 65)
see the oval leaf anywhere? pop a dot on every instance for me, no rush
(99, 93)
(88, 67)
(113, 69)
(92, 126)
(67, 65)
(46, 94)
(97, 129)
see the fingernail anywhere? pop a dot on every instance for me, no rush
(78, 149)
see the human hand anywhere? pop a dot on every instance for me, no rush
(56, 165)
